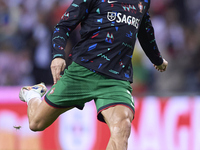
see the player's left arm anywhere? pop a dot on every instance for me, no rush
(148, 43)
(161, 67)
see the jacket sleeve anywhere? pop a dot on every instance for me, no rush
(147, 41)
(77, 12)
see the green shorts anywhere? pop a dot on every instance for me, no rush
(79, 85)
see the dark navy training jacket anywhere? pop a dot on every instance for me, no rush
(109, 29)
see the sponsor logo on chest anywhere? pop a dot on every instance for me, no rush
(123, 18)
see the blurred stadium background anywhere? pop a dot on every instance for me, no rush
(167, 104)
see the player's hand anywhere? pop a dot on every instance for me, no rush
(57, 65)
(162, 67)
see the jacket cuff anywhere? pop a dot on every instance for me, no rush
(58, 56)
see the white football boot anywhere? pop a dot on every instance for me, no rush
(38, 88)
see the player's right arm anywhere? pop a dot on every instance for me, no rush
(57, 65)
(76, 12)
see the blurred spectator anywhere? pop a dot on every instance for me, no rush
(42, 51)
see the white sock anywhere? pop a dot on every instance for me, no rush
(30, 95)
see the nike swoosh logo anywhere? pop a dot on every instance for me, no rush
(111, 1)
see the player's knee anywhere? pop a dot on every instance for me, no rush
(121, 129)
(36, 126)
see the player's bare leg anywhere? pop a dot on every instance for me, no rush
(118, 119)
(40, 114)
